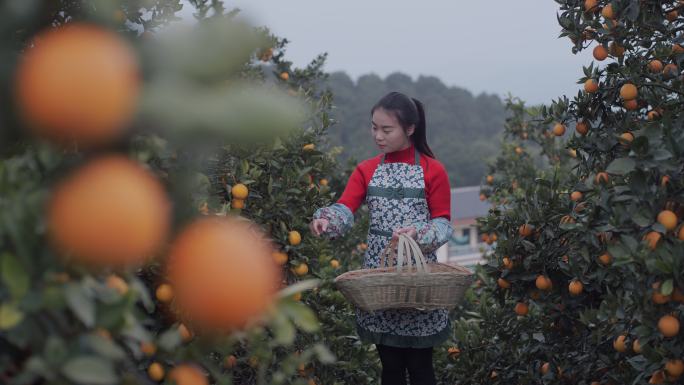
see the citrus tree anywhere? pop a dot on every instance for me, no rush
(585, 285)
(156, 182)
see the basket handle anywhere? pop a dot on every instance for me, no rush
(407, 247)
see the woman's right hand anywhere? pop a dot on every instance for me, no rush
(319, 226)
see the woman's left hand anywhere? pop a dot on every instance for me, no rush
(410, 231)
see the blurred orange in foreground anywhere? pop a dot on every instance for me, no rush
(110, 212)
(78, 82)
(222, 272)
(187, 374)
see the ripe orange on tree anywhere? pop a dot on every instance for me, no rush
(117, 283)
(605, 259)
(109, 212)
(543, 283)
(619, 344)
(600, 53)
(674, 368)
(280, 257)
(525, 230)
(97, 67)
(294, 238)
(164, 293)
(655, 66)
(582, 127)
(301, 269)
(668, 325)
(607, 12)
(575, 287)
(222, 272)
(591, 86)
(668, 219)
(503, 283)
(155, 371)
(602, 177)
(575, 196)
(239, 191)
(559, 129)
(628, 91)
(187, 374)
(521, 308)
(652, 238)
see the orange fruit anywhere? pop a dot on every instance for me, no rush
(164, 293)
(518, 150)
(309, 147)
(559, 129)
(78, 82)
(117, 283)
(280, 257)
(652, 239)
(636, 346)
(490, 179)
(670, 70)
(626, 137)
(668, 325)
(525, 230)
(572, 152)
(294, 238)
(301, 269)
(600, 53)
(334, 263)
(668, 219)
(543, 283)
(521, 308)
(674, 368)
(545, 368)
(575, 196)
(630, 105)
(664, 180)
(110, 212)
(504, 284)
(222, 272)
(575, 287)
(485, 239)
(285, 76)
(297, 296)
(454, 352)
(156, 371)
(655, 66)
(680, 234)
(186, 374)
(607, 12)
(590, 5)
(602, 177)
(590, 86)
(483, 197)
(185, 333)
(619, 344)
(628, 92)
(148, 348)
(229, 362)
(323, 182)
(672, 15)
(507, 263)
(677, 49)
(239, 191)
(658, 377)
(605, 259)
(237, 204)
(582, 127)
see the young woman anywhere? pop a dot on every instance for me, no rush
(407, 191)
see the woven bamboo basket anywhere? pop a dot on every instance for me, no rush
(423, 286)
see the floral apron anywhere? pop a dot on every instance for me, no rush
(396, 199)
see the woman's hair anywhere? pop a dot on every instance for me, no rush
(408, 111)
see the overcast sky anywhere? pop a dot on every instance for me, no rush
(495, 46)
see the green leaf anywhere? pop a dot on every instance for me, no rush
(105, 347)
(14, 275)
(283, 330)
(667, 287)
(621, 166)
(80, 303)
(169, 340)
(9, 316)
(299, 287)
(301, 315)
(324, 354)
(90, 371)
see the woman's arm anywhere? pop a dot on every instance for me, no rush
(432, 234)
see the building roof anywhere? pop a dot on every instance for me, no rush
(466, 203)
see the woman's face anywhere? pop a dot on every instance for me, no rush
(388, 134)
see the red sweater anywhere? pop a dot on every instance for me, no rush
(437, 190)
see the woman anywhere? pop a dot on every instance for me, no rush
(407, 191)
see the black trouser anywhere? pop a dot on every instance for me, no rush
(396, 361)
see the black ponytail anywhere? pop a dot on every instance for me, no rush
(409, 111)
